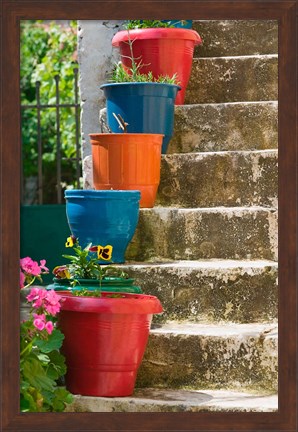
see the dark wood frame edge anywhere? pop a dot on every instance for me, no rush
(286, 13)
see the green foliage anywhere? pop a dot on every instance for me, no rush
(120, 74)
(41, 365)
(140, 24)
(84, 266)
(46, 51)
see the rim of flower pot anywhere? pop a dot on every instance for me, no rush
(110, 284)
(156, 33)
(103, 194)
(123, 303)
(139, 84)
(105, 281)
(119, 136)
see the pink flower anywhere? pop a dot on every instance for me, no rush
(52, 304)
(42, 265)
(42, 317)
(29, 266)
(22, 279)
(39, 324)
(37, 296)
(49, 327)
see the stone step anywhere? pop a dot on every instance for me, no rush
(211, 179)
(225, 356)
(233, 79)
(168, 400)
(204, 233)
(225, 126)
(236, 37)
(211, 291)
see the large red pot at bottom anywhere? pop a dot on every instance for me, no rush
(105, 340)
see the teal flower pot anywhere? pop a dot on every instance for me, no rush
(108, 284)
(103, 217)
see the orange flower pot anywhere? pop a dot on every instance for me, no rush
(128, 161)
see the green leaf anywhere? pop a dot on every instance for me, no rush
(36, 375)
(54, 342)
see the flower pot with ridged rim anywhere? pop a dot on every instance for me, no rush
(127, 161)
(106, 350)
(163, 51)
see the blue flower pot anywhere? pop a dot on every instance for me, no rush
(146, 107)
(103, 217)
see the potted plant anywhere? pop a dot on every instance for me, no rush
(105, 338)
(145, 102)
(41, 363)
(103, 217)
(160, 50)
(133, 24)
(127, 161)
(84, 273)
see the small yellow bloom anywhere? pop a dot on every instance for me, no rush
(104, 252)
(70, 241)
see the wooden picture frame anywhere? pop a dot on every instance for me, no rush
(286, 14)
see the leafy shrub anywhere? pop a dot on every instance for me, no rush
(48, 49)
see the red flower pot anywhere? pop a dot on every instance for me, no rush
(163, 51)
(105, 339)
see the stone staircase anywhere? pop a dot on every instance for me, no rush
(208, 249)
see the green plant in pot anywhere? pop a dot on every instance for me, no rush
(160, 48)
(85, 276)
(144, 100)
(138, 24)
(105, 332)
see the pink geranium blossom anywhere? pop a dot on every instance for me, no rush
(37, 296)
(42, 266)
(51, 303)
(49, 327)
(39, 324)
(29, 266)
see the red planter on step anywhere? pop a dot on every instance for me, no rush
(105, 339)
(164, 51)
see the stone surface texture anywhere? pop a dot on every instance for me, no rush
(96, 59)
(234, 38)
(163, 400)
(209, 291)
(233, 79)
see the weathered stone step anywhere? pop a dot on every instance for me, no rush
(236, 37)
(225, 126)
(229, 356)
(204, 233)
(233, 79)
(206, 179)
(211, 290)
(167, 400)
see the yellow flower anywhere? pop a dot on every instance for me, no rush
(70, 241)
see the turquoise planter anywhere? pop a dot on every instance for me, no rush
(103, 217)
(110, 284)
(146, 107)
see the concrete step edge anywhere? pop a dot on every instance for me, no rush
(168, 400)
(220, 265)
(220, 331)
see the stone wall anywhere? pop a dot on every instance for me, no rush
(96, 59)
